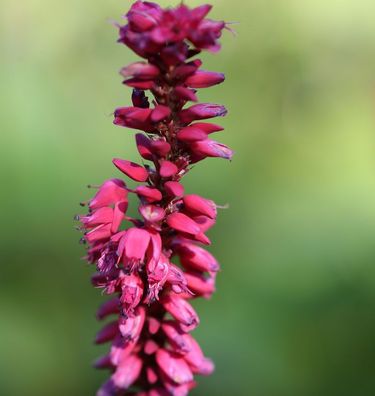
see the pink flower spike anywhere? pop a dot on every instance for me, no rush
(198, 205)
(174, 189)
(202, 111)
(134, 254)
(167, 169)
(181, 222)
(204, 79)
(131, 169)
(160, 113)
(149, 194)
(127, 372)
(173, 366)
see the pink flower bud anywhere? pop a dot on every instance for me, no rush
(127, 372)
(110, 192)
(185, 93)
(193, 256)
(149, 194)
(144, 146)
(167, 169)
(211, 148)
(204, 79)
(181, 222)
(196, 360)
(198, 205)
(104, 362)
(140, 70)
(174, 189)
(199, 284)
(202, 111)
(150, 347)
(178, 338)
(133, 117)
(153, 325)
(131, 327)
(160, 147)
(181, 310)
(109, 307)
(139, 83)
(204, 222)
(131, 169)
(187, 69)
(107, 333)
(144, 16)
(131, 292)
(177, 279)
(200, 12)
(173, 366)
(207, 127)
(191, 134)
(152, 377)
(160, 113)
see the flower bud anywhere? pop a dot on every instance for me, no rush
(204, 79)
(131, 169)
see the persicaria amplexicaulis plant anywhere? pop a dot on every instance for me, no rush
(154, 265)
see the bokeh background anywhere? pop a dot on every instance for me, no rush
(294, 310)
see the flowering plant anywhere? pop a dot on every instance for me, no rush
(152, 352)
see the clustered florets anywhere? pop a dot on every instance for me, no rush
(152, 352)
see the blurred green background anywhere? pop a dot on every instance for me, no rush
(294, 310)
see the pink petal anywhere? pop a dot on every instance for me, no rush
(183, 223)
(167, 169)
(131, 169)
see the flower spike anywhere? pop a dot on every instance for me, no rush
(154, 266)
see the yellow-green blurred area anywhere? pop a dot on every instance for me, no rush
(294, 310)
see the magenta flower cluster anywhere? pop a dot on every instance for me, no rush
(154, 265)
